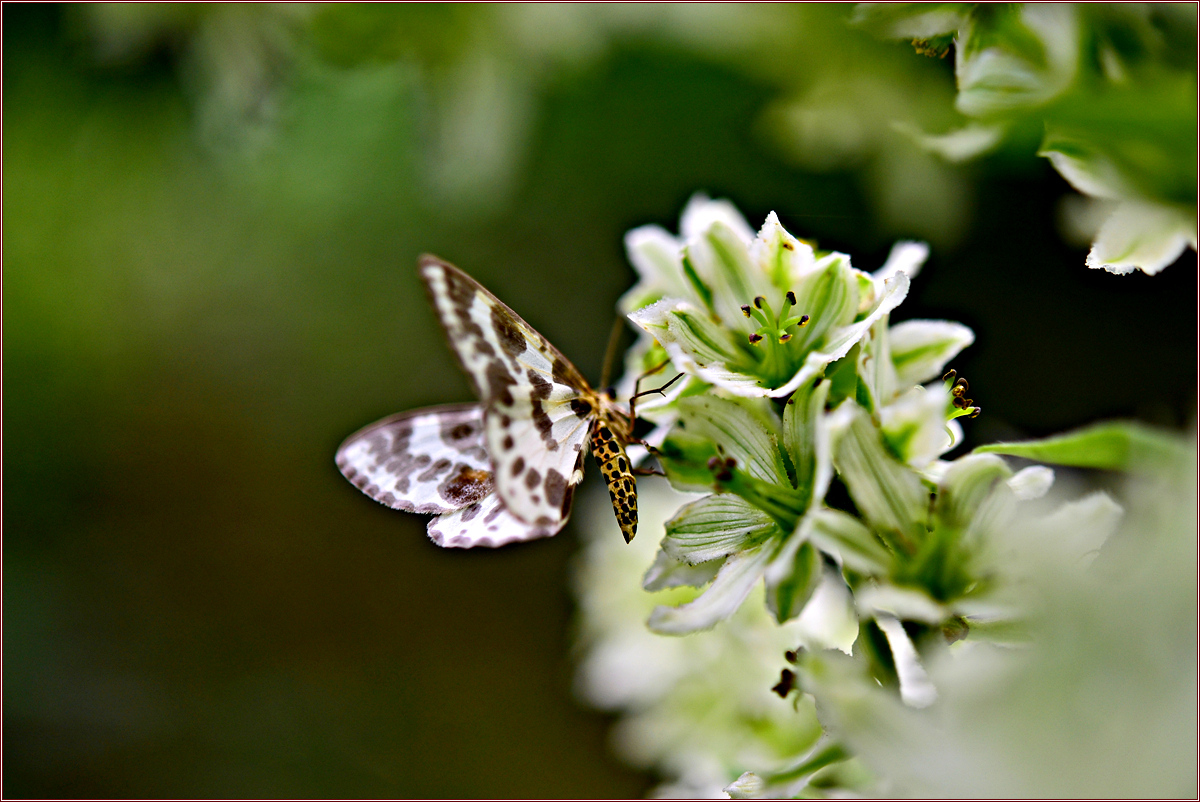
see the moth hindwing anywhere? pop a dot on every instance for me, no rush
(537, 418)
(435, 461)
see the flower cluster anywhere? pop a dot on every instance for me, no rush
(808, 434)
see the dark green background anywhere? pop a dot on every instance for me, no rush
(195, 602)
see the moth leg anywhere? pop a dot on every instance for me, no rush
(638, 394)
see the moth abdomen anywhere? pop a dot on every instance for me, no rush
(622, 487)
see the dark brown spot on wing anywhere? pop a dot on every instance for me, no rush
(512, 340)
(580, 407)
(540, 390)
(432, 472)
(533, 478)
(460, 432)
(465, 485)
(556, 488)
(499, 383)
(518, 466)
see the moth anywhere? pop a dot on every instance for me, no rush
(505, 469)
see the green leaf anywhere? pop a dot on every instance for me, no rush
(1119, 445)
(715, 527)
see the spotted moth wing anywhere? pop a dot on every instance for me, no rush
(539, 411)
(435, 461)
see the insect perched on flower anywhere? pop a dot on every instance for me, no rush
(503, 470)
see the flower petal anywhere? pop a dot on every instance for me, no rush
(1032, 482)
(806, 439)
(748, 786)
(908, 604)
(784, 259)
(714, 527)
(829, 620)
(906, 257)
(696, 344)
(793, 575)
(914, 426)
(1083, 527)
(915, 688)
(1142, 236)
(1016, 57)
(701, 212)
(656, 256)
(729, 589)
(888, 493)
(920, 349)
(666, 572)
(966, 486)
(849, 542)
(740, 433)
(829, 296)
(722, 260)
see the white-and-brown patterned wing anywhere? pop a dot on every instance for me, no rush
(484, 523)
(539, 410)
(428, 460)
(435, 461)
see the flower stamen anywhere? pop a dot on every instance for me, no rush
(958, 387)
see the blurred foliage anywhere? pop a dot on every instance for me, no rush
(212, 216)
(1110, 88)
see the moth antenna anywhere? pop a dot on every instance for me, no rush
(610, 351)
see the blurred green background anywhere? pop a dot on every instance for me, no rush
(211, 223)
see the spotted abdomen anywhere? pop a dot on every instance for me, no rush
(622, 487)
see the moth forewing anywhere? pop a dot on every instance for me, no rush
(539, 408)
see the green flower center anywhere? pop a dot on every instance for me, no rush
(773, 335)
